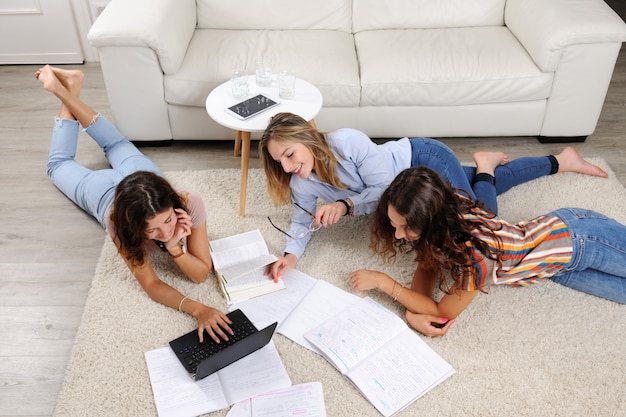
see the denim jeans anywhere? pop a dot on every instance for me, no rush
(93, 190)
(598, 264)
(439, 157)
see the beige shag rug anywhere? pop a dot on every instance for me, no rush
(545, 350)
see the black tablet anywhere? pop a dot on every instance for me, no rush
(251, 107)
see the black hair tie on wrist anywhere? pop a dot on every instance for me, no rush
(345, 203)
(483, 176)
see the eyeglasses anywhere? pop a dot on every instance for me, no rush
(301, 231)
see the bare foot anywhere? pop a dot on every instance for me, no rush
(487, 162)
(48, 79)
(570, 161)
(72, 80)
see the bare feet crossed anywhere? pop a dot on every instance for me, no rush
(51, 77)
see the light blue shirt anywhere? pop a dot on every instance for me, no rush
(365, 167)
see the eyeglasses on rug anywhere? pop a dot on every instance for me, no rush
(301, 231)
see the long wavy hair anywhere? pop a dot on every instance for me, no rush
(291, 128)
(436, 212)
(139, 197)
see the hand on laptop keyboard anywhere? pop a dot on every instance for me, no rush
(214, 324)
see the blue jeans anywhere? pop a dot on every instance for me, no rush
(439, 157)
(93, 191)
(598, 264)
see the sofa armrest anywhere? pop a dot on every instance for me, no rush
(545, 27)
(164, 26)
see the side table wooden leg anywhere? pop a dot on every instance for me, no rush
(237, 142)
(245, 157)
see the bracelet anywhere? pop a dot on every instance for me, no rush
(348, 207)
(395, 298)
(183, 250)
(180, 305)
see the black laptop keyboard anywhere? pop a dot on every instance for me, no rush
(193, 354)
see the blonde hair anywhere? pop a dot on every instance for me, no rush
(291, 128)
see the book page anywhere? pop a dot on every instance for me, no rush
(235, 255)
(399, 373)
(249, 279)
(322, 302)
(250, 270)
(176, 394)
(356, 332)
(259, 372)
(302, 400)
(276, 306)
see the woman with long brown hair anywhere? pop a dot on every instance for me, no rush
(462, 250)
(139, 209)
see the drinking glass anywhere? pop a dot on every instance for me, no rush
(286, 85)
(263, 74)
(240, 87)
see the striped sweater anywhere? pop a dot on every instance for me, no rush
(533, 250)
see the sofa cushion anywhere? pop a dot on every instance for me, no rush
(426, 14)
(324, 58)
(447, 67)
(275, 14)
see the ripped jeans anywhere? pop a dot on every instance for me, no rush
(93, 190)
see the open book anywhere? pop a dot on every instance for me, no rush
(387, 361)
(392, 366)
(178, 395)
(239, 262)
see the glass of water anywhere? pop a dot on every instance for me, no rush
(263, 74)
(286, 85)
(240, 87)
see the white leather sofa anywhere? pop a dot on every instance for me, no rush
(391, 68)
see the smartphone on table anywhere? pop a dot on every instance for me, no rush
(252, 106)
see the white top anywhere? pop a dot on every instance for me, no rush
(306, 104)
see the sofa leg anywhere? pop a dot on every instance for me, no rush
(152, 143)
(561, 139)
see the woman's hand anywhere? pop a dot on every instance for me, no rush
(428, 325)
(281, 266)
(364, 279)
(330, 213)
(183, 228)
(214, 322)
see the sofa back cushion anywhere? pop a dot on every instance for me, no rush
(426, 14)
(275, 14)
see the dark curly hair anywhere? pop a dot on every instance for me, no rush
(435, 211)
(138, 197)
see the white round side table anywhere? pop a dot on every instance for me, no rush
(307, 103)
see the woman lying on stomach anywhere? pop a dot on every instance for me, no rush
(463, 249)
(139, 209)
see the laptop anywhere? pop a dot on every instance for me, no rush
(203, 359)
